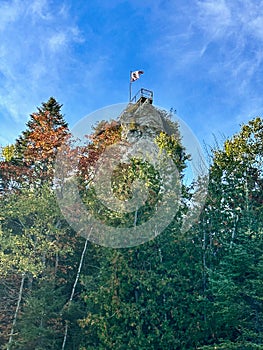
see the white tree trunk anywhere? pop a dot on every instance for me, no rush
(16, 312)
(73, 291)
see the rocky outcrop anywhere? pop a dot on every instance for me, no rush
(142, 120)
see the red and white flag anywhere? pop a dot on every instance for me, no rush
(136, 75)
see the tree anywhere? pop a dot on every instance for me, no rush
(34, 241)
(231, 233)
(30, 160)
(142, 297)
(202, 290)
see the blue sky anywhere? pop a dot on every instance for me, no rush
(204, 58)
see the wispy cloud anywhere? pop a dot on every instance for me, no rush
(215, 13)
(35, 47)
(236, 27)
(211, 52)
(61, 39)
(57, 41)
(233, 27)
(40, 9)
(9, 12)
(205, 56)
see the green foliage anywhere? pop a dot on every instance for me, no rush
(202, 291)
(173, 147)
(29, 162)
(123, 178)
(8, 152)
(231, 231)
(40, 326)
(142, 295)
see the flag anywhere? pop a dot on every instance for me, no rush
(136, 75)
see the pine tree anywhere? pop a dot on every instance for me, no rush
(33, 154)
(39, 144)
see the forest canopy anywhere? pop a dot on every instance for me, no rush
(58, 290)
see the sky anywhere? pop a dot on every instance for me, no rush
(203, 58)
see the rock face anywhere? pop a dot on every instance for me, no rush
(143, 120)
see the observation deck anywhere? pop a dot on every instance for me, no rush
(142, 96)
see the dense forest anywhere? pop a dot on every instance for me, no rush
(198, 290)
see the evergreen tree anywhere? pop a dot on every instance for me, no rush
(198, 291)
(32, 158)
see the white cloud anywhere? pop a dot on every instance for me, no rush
(38, 59)
(212, 51)
(9, 12)
(32, 48)
(214, 17)
(256, 26)
(40, 9)
(226, 36)
(57, 40)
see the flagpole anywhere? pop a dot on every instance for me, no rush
(130, 87)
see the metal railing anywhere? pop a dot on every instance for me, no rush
(142, 93)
